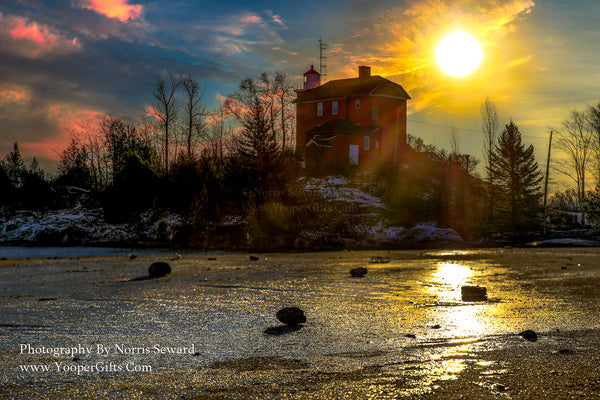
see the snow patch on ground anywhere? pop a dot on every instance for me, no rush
(416, 234)
(337, 188)
(61, 226)
(80, 226)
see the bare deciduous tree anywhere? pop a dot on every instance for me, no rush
(489, 125)
(575, 139)
(166, 108)
(594, 120)
(194, 110)
(284, 90)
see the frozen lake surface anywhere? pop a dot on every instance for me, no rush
(68, 252)
(208, 330)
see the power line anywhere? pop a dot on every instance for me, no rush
(465, 129)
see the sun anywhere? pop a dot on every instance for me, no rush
(458, 54)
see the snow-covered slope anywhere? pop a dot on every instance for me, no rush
(348, 214)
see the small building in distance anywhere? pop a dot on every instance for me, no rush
(355, 121)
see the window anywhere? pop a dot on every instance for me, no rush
(375, 113)
(334, 108)
(319, 109)
(367, 143)
(377, 144)
(357, 104)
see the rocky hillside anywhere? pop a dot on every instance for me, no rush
(343, 213)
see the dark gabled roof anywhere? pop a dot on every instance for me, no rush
(319, 141)
(342, 88)
(342, 126)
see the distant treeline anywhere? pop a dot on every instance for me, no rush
(207, 165)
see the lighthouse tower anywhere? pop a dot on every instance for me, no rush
(312, 78)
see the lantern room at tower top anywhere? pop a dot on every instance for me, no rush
(312, 78)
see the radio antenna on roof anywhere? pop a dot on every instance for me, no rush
(322, 58)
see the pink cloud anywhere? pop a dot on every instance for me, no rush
(252, 19)
(20, 35)
(275, 18)
(32, 31)
(153, 112)
(71, 120)
(13, 96)
(118, 9)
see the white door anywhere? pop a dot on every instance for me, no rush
(353, 154)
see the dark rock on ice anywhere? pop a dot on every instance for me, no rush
(473, 293)
(529, 335)
(159, 269)
(291, 316)
(565, 351)
(358, 272)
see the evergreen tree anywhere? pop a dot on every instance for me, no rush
(6, 186)
(14, 165)
(36, 192)
(73, 168)
(591, 205)
(36, 170)
(257, 144)
(514, 170)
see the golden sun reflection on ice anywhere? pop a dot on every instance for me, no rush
(453, 274)
(463, 319)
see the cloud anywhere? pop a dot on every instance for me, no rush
(118, 9)
(26, 38)
(151, 111)
(242, 33)
(399, 42)
(13, 94)
(275, 18)
(70, 119)
(252, 19)
(32, 31)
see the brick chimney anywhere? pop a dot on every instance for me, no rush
(364, 72)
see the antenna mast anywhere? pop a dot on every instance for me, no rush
(322, 58)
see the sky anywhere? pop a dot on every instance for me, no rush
(66, 62)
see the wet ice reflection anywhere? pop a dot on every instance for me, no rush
(449, 278)
(459, 319)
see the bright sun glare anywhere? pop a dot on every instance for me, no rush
(458, 54)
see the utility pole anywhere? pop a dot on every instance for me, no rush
(546, 183)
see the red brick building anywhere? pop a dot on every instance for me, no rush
(355, 121)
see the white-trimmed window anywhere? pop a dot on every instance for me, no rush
(367, 143)
(334, 108)
(375, 113)
(377, 143)
(357, 104)
(319, 109)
